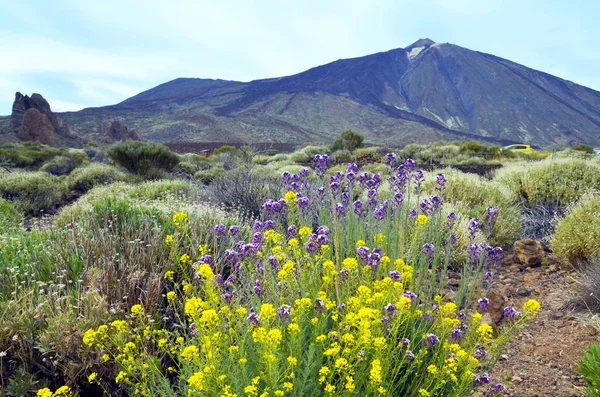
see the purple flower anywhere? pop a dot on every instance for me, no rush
(269, 225)
(363, 252)
(321, 163)
(257, 238)
(405, 342)
(494, 254)
(390, 159)
(324, 230)
(412, 214)
(343, 274)
(352, 167)
(358, 206)
(473, 227)
(253, 318)
(311, 247)
(304, 172)
(234, 230)
(284, 312)
(351, 176)
(431, 340)
(390, 309)
(481, 353)
(451, 220)
(440, 181)
(474, 253)
(481, 379)
(227, 298)
(429, 251)
(395, 275)
(510, 314)
(410, 164)
(457, 334)
(273, 262)
(410, 355)
(340, 307)
(192, 330)
(257, 289)
(483, 304)
(410, 295)
(303, 203)
(292, 230)
(418, 178)
(340, 209)
(320, 191)
(398, 198)
(498, 390)
(220, 229)
(490, 218)
(257, 226)
(453, 239)
(319, 305)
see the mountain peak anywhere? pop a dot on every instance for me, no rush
(421, 43)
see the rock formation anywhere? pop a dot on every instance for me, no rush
(119, 132)
(36, 126)
(33, 120)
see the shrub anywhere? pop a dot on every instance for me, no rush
(143, 158)
(349, 140)
(583, 148)
(28, 154)
(10, 217)
(207, 176)
(590, 369)
(64, 164)
(83, 179)
(550, 182)
(32, 192)
(342, 157)
(577, 235)
(95, 154)
(472, 195)
(368, 155)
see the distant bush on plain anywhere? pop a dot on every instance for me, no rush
(146, 159)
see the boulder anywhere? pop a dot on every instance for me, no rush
(36, 126)
(529, 252)
(497, 304)
(119, 132)
(23, 103)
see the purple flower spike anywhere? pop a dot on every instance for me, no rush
(483, 304)
(220, 229)
(253, 318)
(410, 355)
(410, 295)
(431, 340)
(311, 247)
(234, 230)
(410, 164)
(390, 159)
(451, 220)
(390, 309)
(304, 172)
(284, 312)
(292, 230)
(511, 314)
(395, 275)
(473, 227)
(352, 167)
(405, 342)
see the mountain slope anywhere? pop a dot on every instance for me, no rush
(426, 91)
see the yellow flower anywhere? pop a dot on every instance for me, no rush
(361, 243)
(267, 312)
(293, 242)
(290, 197)
(422, 220)
(204, 249)
(293, 328)
(292, 361)
(288, 386)
(379, 343)
(179, 219)
(350, 386)
(137, 310)
(105, 357)
(424, 393)
(169, 239)
(485, 331)
(375, 373)
(194, 306)
(205, 271)
(169, 275)
(330, 388)
(350, 263)
(45, 392)
(171, 296)
(122, 376)
(63, 391)
(196, 383)
(185, 259)
(531, 307)
(432, 369)
(279, 393)
(89, 337)
(242, 361)
(190, 353)
(93, 378)
(304, 231)
(119, 325)
(209, 317)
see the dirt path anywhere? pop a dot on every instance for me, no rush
(543, 360)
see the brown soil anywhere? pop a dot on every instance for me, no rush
(543, 359)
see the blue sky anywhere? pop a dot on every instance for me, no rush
(93, 53)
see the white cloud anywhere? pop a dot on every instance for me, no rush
(64, 106)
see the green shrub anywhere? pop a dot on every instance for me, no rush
(225, 149)
(550, 182)
(66, 163)
(583, 148)
(32, 192)
(472, 195)
(209, 175)
(28, 154)
(368, 155)
(590, 369)
(143, 158)
(577, 235)
(10, 217)
(574, 154)
(342, 157)
(349, 140)
(83, 179)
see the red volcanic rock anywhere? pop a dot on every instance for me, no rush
(36, 126)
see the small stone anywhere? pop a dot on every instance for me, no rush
(524, 291)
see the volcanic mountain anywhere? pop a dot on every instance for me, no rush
(425, 92)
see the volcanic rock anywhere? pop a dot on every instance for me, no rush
(119, 132)
(36, 126)
(529, 252)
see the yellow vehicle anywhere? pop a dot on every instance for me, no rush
(520, 148)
